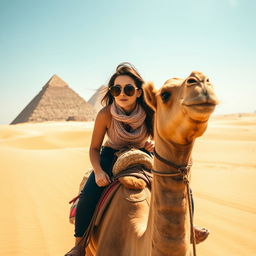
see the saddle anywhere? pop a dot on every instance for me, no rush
(110, 190)
(131, 162)
(132, 169)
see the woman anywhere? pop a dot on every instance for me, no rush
(127, 121)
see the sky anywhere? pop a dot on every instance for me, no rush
(82, 41)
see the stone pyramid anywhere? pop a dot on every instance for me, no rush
(96, 98)
(56, 102)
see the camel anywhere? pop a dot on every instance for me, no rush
(138, 223)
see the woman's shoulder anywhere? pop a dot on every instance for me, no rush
(105, 111)
(104, 115)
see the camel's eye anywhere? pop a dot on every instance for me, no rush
(165, 96)
(191, 81)
(207, 80)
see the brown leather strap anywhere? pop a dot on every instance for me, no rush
(169, 163)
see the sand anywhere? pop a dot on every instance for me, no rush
(41, 166)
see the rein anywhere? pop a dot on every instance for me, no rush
(183, 171)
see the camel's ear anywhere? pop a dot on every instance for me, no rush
(150, 94)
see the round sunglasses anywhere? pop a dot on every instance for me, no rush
(116, 90)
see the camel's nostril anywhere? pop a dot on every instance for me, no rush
(206, 93)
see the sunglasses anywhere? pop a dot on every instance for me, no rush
(129, 90)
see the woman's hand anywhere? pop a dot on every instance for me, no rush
(149, 145)
(102, 179)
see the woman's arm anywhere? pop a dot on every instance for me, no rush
(99, 131)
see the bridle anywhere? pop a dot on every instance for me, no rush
(182, 172)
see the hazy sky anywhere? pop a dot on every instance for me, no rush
(82, 41)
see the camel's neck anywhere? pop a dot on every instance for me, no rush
(169, 205)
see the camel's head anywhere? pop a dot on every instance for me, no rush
(182, 107)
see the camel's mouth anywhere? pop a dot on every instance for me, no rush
(202, 107)
(205, 104)
(201, 101)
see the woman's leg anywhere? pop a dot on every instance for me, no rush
(88, 200)
(91, 193)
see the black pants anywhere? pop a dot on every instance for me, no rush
(91, 193)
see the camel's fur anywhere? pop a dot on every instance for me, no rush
(135, 226)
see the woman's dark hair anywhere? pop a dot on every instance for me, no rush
(127, 69)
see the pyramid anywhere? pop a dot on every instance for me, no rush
(96, 98)
(56, 102)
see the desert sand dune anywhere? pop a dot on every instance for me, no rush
(42, 165)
